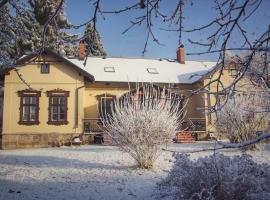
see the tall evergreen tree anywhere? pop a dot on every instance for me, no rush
(22, 24)
(93, 42)
(21, 27)
(55, 33)
(7, 35)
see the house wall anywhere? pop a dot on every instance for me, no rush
(92, 91)
(210, 99)
(61, 76)
(65, 77)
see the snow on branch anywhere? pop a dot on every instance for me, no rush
(143, 120)
(262, 137)
(223, 145)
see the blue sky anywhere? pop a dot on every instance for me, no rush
(131, 44)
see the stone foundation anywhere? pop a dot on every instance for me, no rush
(16, 141)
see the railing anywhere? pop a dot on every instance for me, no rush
(92, 125)
(193, 124)
(196, 124)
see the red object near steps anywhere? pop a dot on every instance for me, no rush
(184, 137)
(107, 139)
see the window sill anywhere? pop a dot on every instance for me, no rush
(28, 123)
(58, 123)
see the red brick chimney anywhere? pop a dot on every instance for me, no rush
(82, 50)
(180, 54)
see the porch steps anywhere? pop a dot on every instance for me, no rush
(184, 137)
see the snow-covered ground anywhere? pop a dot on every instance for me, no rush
(87, 172)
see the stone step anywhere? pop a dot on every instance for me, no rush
(184, 137)
(186, 142)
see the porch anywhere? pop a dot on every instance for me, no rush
(93, 130)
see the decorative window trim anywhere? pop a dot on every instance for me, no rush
(107, 95)
(58, 93)
(29, 93)
(100, 98)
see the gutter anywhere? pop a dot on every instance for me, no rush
(76, 117)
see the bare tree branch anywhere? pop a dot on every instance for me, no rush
(3, 2)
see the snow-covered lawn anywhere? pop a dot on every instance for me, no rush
(86, 172)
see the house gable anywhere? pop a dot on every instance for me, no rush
(61, 76)
(60, 69)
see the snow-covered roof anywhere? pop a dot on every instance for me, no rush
(144, 70)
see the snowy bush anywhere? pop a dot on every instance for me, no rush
(240, 178)
(144, 119)
(243, 116)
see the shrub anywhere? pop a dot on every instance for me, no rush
(142, 120)
(243, 116)
(240, 178)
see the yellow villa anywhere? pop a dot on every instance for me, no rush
(50, 99)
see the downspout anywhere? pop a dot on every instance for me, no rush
(76, 115)
(1, 112)
(76, 111)
(209, 105)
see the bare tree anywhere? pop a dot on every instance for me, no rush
(231, 17)
(143, 120)
(242, 116)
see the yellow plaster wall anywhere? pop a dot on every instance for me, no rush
(90, 97)
(95, 89)
(210, 99)
(61, 76)
(65, 77)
